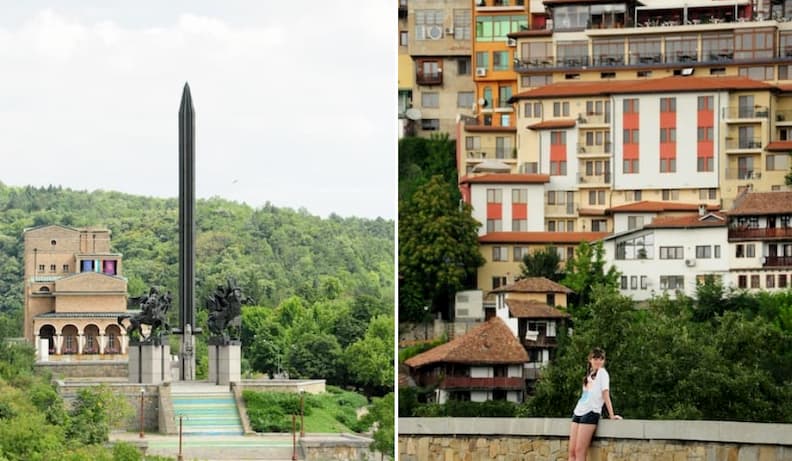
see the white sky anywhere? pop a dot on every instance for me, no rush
(295, 101)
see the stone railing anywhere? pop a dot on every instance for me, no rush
(474, 439)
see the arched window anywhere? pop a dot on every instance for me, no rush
(113, 336)
(48, 332)
(91, 346)
(69, 334)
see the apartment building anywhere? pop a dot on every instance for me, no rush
(74, 293)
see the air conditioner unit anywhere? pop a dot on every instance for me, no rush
(481, 71)
(434, 32)
(511, 42)
(690, 262)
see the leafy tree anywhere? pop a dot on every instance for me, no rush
(381, 417)
(422, 158)
(438, 248)
(587, 269)
(370, 360)
(95, 412)
(314, 355)
(542, 263)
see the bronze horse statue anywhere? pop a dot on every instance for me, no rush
(225, 311)
(153, 312)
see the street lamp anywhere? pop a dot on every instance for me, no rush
(142, 393)
(181, 455)
(302, 412)
(426, 323)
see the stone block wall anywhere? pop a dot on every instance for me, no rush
(539, 439)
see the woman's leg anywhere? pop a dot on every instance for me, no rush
(573, 431)
(584, 434)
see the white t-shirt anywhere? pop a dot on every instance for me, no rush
(592, 400)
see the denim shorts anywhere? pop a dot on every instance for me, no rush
(589, 418)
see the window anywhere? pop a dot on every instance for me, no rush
(667, 104)
(672, 282)
(520, 253)
(753, 44)
(631, 136)
(717, 251)
(644, 282)
(496, 28)
(465, 99)
(494, 225)
(498, 282)
(770, 281)
(705, 103)
(782, 281)
(755, 281)
(462, 24)
(494, 195)
(500, 254)
(703, 251)
(41, 267)
(500, 60)
(631, 166)
(599, 225)
(742, 281)
(672, 252)
(533, 81)
(631, 106)
(705, 163)
(560, 109)
(482, 60)
(777, 162)
(596, 197)
(519, 195)
(633, 282)
(426, 23)
(430, 99)
(551, 226)
(519, 225)
(667, 165)
(670, 194)
(708, 194)
(463, 66)
(632, 195)
(558, 168)
(53, 267)
(623, 284)
(758, 72)
(747, 250)
(402, 38)
(667, 134)
(66, 268)
(473, 142)
(558, 138)
(635, 222)
(503, 147)
(430, 124)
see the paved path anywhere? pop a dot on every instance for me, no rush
(270, 447)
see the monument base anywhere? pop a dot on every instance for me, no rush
(149, 363)
(225, 363)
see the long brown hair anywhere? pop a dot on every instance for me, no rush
(595, 353)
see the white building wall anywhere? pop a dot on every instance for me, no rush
(653, 267)
(569, 181)
(478, 200)
(481, 372)
(502, 311)
(535, 204)
(649, 177)
(515, 371)
(479, 396)
(621, 220)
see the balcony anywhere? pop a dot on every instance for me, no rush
(563, 209)
(745, 113)
(429, 78)
(744, 144)
(777, 261)
(596, 150)
(500, 5)
(594, 180)
(765, 233)
(465, 382)
(743, 174)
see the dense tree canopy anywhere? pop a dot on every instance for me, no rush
(543, 263)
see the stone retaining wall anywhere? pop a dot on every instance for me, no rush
(86, 369)
(539, 439)
(131, 392)
(336, 447)
(313, 386)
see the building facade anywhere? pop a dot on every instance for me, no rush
(74, 293)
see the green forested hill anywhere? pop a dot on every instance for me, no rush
(274, 253)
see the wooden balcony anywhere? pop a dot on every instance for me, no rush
(429, 78)
(765, 233)
(777, 261)
(465, 382)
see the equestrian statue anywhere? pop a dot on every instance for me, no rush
(154, 308)
(225, 312)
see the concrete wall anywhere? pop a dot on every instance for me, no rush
(131, 392)
(474, 439)
(315, 386)
(86, 369)
(341, 447)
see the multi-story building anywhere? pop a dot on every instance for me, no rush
(486, 363)
(74, 293)
(437, 37)
(406, 73)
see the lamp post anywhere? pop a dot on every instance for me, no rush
(302, 412)
(142, 393)
(426, 323)
(181, 456)
(294, 439)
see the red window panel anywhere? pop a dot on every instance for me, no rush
(519, 211)
(494, 211)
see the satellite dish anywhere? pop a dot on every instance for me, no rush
(482, 102)
(413, 113)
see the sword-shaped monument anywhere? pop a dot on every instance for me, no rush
(187, 236)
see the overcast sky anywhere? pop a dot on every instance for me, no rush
(295, 101)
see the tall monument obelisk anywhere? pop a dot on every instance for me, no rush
(187, 236)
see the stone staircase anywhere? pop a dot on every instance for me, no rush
(207, 409)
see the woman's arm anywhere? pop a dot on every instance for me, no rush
(609, 405)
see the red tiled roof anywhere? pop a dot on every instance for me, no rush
(550, 124)
(541, 237)
(758, 203)
(786, 87)
(523, 309)
(490, 129)
(533, 285)
(647, 206)
(489, 343)
(591, 212)
(779, 146)
(506, 178)
(687, 221)
(674, 84)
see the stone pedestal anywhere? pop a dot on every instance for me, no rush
(225, 363)
(149, 363)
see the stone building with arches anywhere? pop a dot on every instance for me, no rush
(74, 293)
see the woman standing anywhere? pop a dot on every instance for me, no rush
(596, 392)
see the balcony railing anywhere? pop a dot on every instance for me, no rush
(745, 112)
(743, 174)
(465, 382)
(429, 78)
(564, 209)
(760, 233)
(594, 179)
(744, 143)
(596, 149)
(777, 261)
